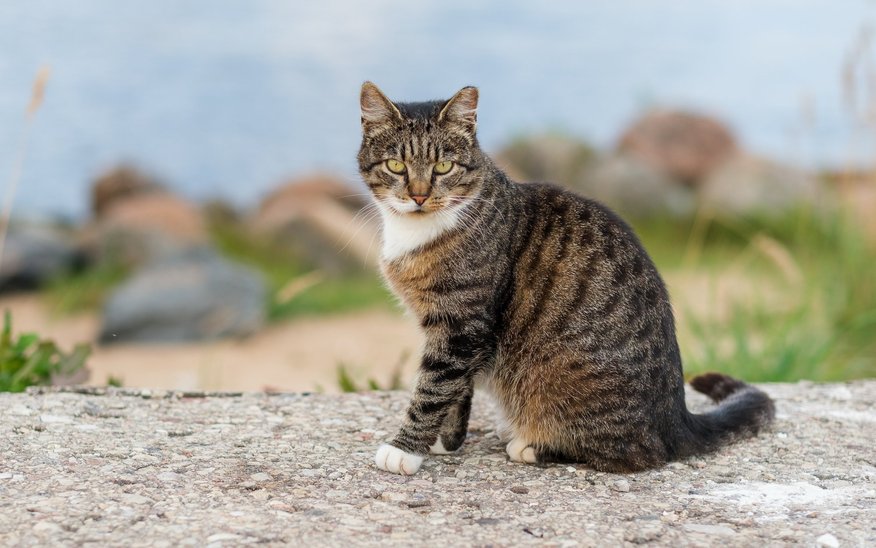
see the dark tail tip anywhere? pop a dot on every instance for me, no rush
(717, 386)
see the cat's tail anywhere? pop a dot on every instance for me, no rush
(742, 410)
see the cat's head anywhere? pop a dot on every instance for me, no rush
(420, 158)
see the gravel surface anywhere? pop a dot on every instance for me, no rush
(150, 468)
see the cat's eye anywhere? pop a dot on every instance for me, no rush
(395, 166)
(442, 168)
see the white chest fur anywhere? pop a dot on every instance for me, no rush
(405, 233)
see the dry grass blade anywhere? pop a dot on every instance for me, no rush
(36, 100)
(299, 285)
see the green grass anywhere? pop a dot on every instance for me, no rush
(85, 289)
(281, 266)
(347, 383)
(28, 360)
(823, 270)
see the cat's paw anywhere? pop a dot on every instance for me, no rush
(438, 448)
(395, 460)
(520, 451)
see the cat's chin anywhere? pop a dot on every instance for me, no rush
(413, 213)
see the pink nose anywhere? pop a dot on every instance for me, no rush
(420, 199)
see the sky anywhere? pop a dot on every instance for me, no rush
(228, 99)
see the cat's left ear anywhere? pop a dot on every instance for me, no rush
(462, 109)
(377, 109)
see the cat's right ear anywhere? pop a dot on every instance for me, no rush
(377, 109)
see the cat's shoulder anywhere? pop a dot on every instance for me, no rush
(554, 196)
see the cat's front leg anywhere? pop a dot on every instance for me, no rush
(437, 417)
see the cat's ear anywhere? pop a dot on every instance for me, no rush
(462, 109)
(376, 107)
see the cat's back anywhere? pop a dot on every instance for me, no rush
(580, 270)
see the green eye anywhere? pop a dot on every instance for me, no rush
(395, 166)
(442, 168)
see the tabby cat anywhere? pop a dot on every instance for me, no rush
(544, 298)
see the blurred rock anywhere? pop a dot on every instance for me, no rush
(194, 296)
(319, 218)
(120, 182)
(635, 189)
(685, 146)
(746, 184)
(34, 254)
(551, 158)
(143, 228)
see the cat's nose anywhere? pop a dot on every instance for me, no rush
(419, 198)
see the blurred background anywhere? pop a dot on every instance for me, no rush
(181, 207)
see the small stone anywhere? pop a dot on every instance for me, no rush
(5, 475)
(260, 494)
(261, 476)
(519, 489)
(133, 498)
(621, 486)
(418, 501)
(389, 496)
(827, 540)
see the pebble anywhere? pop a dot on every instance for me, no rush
(621, 486)
(261, 476)
(133, 498)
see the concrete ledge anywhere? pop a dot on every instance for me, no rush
(132, 468)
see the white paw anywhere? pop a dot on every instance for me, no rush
(437, 448)
(395, 460)
(520, 451)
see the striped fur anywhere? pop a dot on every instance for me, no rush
(545, 297)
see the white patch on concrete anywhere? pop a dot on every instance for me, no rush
(438, 448)
(778, 496)
(520, 451)
(395, 460)
(854, 416)
(56, 419)
(404, 231)
(841, 393)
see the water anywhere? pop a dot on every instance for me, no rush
(229, 98)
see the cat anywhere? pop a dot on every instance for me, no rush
(545, 298)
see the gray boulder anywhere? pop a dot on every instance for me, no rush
(746, 185)
(194, 296)
(553, 157)
(34, 254)
(636, 189)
